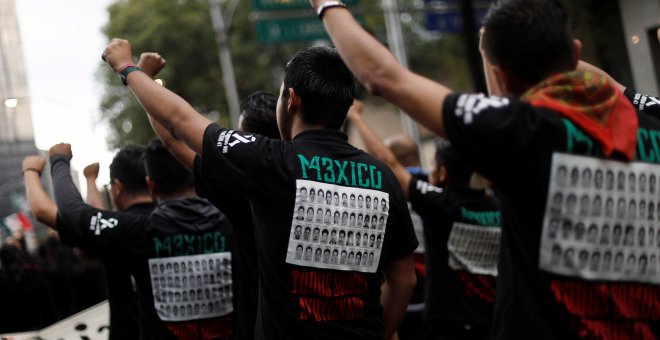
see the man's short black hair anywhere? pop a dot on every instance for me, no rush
(529, 39)
(324, 84)
(168, 174)
(445, 155)
(128, 168)
(258, 110)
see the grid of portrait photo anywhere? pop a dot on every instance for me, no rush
(602, 220)
(192, 287)
(336, 227)
(473, 248)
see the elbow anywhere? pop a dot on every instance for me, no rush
(382, 78)
(45, 215)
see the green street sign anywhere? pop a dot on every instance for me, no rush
(269, 5)
(273, 31)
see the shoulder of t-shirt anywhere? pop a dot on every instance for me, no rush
(468, 106)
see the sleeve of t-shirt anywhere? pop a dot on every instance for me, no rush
(404, 241)
(200, 185)
(489, 131)
(243, 161)
(644, 103)
(69, 235)
(98, 230)
(424, 197)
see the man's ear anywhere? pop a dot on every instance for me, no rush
(577, 52)
(293, 102)
(151, 185)
(503, 81)
(117, 187)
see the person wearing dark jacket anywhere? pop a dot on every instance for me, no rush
(179, 255)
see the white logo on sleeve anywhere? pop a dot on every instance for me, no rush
(228, 139)
(643, 102)
(425, 187)
(470, 105)
(98, 223)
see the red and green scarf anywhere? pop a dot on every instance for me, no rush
(594, 104)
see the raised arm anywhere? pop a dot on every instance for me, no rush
(377, 148)
(400, 281)
(152, 63)
(43, 207)
(166, 107)
(94, 197)
(70, 204)
(379, 71)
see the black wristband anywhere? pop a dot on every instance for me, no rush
(32, 169)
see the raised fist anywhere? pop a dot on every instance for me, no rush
(61, 149)
(151, 63)
(118, 53)
(34, 162)
(91, 171)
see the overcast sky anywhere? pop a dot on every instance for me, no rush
(62, 46)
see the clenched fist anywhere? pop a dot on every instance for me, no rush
(61, 149)
(118, 53)
(151, 63)
(36, 163)
(91, 171)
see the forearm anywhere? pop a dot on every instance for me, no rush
(69, 202)
(94, 197)
(379, 71)
(42, 206)
(170, 110)
(179, 150)
(399, 284)
(377, 148)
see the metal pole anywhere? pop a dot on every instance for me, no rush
(228, 78)
(395, 41)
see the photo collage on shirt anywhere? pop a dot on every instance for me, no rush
(602, 220)
(473, 248)
(192, 287)
(336, 227)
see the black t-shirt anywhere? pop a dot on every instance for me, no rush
(179, 256)
(553, 284)
(122, 299)
(237, 209)
(313, 281)
(462, 232)
(644, 103)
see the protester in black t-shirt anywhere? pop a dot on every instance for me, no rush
(183, 229)
(459, 295)
(552, 114)
(257, 116)
(130, 194)
(312, 299)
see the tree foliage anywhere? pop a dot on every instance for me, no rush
(182, 32)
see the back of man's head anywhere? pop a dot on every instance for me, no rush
(324, 84)
(404, 149)
(168, 175)
(528, 39)
(445, 155)
(127, 167)
(258, 112)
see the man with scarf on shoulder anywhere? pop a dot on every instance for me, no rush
(547, 119)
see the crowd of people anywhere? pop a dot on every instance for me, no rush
(281, 229)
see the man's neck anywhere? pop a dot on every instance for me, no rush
(137, 199)
(300, 126)
(187, 193)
